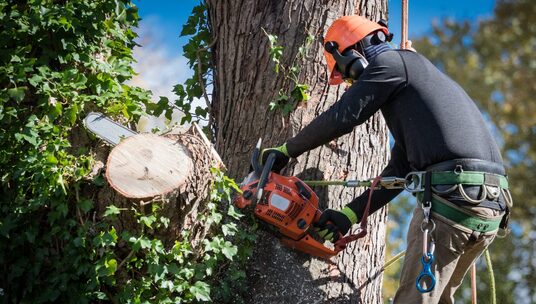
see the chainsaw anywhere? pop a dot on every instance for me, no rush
(287, 205)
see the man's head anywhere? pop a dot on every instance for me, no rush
(345, 42)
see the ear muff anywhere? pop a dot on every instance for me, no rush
(350, 63)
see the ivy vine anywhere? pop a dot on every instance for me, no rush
(287, 101)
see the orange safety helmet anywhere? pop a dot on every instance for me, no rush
(347, 31)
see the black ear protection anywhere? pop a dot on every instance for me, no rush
(351, 63)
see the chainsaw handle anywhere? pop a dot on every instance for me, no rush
(264, 175)
(255, 158)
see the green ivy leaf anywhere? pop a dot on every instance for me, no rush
(145, 242)
(111, 211)
(17, 93)
(299, 92)
(273, 106)
(111, 266)
(72, 114)
(287, 108)
(201, 291)
(234, 213)
(229, 250)
(85, 205)
(148, 220)
(229, 229)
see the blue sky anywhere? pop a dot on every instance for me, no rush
(170, 15)
(160, 64)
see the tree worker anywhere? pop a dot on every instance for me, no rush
(439, 136)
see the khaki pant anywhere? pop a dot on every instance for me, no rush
(456, 249)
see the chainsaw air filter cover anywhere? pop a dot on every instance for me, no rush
(287, 203)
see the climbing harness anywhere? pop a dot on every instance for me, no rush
(424, 185)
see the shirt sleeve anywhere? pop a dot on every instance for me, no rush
(380, 81)
(398, 166)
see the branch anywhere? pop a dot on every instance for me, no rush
(200, 74)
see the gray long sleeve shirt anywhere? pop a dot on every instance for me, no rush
(430, 116)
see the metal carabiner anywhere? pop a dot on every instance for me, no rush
(426, 273)
(426, 211)
(391, 182)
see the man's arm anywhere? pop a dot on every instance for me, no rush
(333, 222)
(382, 79)
(398, 166)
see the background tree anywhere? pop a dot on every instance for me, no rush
(266, 85)
(494, 61)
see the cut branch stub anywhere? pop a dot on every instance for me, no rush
(147, 165)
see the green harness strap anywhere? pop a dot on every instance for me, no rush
(470, 178)
(459, 216)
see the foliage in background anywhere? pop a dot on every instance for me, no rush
(287, 101)
(58, 61)
(195, 88)
(495, 61)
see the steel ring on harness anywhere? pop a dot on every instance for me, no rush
(449, 190)
(503, 234)
(473, 201)
(424, 224)
(426, 273)
(507, 197)
(493, 192)
(414, 181)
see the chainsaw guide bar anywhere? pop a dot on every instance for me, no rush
(106, 129)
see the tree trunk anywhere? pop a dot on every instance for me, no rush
(244, 85)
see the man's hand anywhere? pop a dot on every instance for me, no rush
(333, 223)
(409, 46)
(281, 157)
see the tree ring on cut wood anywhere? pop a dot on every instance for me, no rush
(146, 165)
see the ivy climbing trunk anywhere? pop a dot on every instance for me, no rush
(244, 85)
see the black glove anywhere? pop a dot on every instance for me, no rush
(332, 223)
(281, 157)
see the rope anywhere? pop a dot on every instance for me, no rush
(394, 259)
(473, 284)
(493, 297)
(404, 36)
(325, 182)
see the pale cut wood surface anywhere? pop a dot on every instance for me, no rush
(147, 165)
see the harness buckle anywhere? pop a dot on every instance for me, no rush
(414, 181)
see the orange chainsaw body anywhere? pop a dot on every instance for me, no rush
(291, 207)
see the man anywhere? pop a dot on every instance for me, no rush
(437, 129)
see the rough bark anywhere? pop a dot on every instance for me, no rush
(244, 85)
